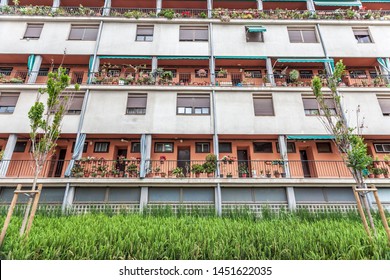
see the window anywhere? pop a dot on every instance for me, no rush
(5, 71)
(20, 147)
(43, 72)
(362, 35)
(135, 147)
(194, 33)
(163, 147)
(33, 31)
(312, 108)
(136, 104)
(324, 147)
(358, 74)
(202, 147)
(76, 105)
(262, 147)
(290, 147)
(263, 106)
(8, 102)
(306, 74)
(254, 36)
(302, 34)
(83, 32)
(144, 33)
(193, 104)
(385, 106)
(85, 148)
(225, 147)
(253, 74)
(201, 73)
(382, 147)
(101, 147)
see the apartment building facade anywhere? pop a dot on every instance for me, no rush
(165, 83)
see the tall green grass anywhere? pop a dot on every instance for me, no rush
(159, 235)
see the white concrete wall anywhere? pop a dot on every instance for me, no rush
(165, 41)
(53, 39)
(340, 41)
(231, 40)
(106, 113)
(18, 122)
(236, 115)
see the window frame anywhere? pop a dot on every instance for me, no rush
(85, 26)
(320, 111)
(17, 148)
(192, 109)
(101, 142)
(293, 149)
(324, 152)
(30, 25)
(138, 111)
(144, 36)
(383, 149)
(7, 110)
(225, 143)
(202, 145)
(133, 149)
(357, 38)
(379, 98)
(193, 28)
(85, 148)
(263, 152)
(163, 145)
(252, 40)
(301, 29)
(264, 97)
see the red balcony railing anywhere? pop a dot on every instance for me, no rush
(130, 168)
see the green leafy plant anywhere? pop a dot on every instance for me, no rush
(294, 76)
(197, 168)
(178, 172)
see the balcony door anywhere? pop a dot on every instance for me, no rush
(305, 163)
(184, 159)
(242, 159)
(60, 163)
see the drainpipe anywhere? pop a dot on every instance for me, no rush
(80, 139)
(289, 190)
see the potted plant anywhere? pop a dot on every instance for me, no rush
(132, 169)
(262, 175)
(294, 76)
(197, 169)
(163, 159)
(157, 171)
(209, 168)
(376, 162)
(277, 174)
(229, 175)
(202, 73)
(222, 73)
(377, 172)
(385, 172)
(243, 170)
(163, 174)
(268, 173)
(386, 158)
(178, 172)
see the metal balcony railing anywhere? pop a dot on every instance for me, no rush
(130, 168)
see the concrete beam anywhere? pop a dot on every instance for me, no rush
(35, 69)
(270, 71)
(8, 151)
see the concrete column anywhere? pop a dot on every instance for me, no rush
(158, 6)
(384, 71)
(283, 154)
(56, 4)
(8, 151)
(209, 8)
(107, 8)
(310, 5)
(270, 71)
(3, 3)
(292, 204)
(35, 69)
(143, 202)
(154, 63)
(218, 200)
(259, 4)
(68, 197)
(146, 150)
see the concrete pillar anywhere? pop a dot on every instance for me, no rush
(216, 151)
(218, 200)
(106, 8)
(209, 8)
(292, 204)
(146, 150)
(270, 71)
(283, 154)
(154, 63)
(310, 5)
(158, 6)
(35, 69)
(8, 151)
(68, 197)
(143, 202)
(385, 73)
(259, 4)
(56, 3)
(3, 3)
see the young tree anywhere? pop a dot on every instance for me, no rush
(45, 124)
(348, 140)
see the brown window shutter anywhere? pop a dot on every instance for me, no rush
(310, 104)
(136, 101)
(186, 34)
(201, 102)
(90, 33)
(8, 99)
(33, 31)
(330, 103)
(363, 32)
(201, 34)
(263, 107)
(385, 105)
(76, 33)
(309, 36)
(295, 36)
(144, 30)
(77, 103)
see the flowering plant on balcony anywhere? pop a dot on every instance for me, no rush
(162, 159)
(186, 14)
(1, 155)
(202, 73)
(222, 73)
(228, 159)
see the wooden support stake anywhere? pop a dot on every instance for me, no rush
(383, 216)
(361, 212)
(9, 214)
(33, 209)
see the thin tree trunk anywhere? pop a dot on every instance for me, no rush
(30, 199)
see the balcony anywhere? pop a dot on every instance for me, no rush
(130, 168)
